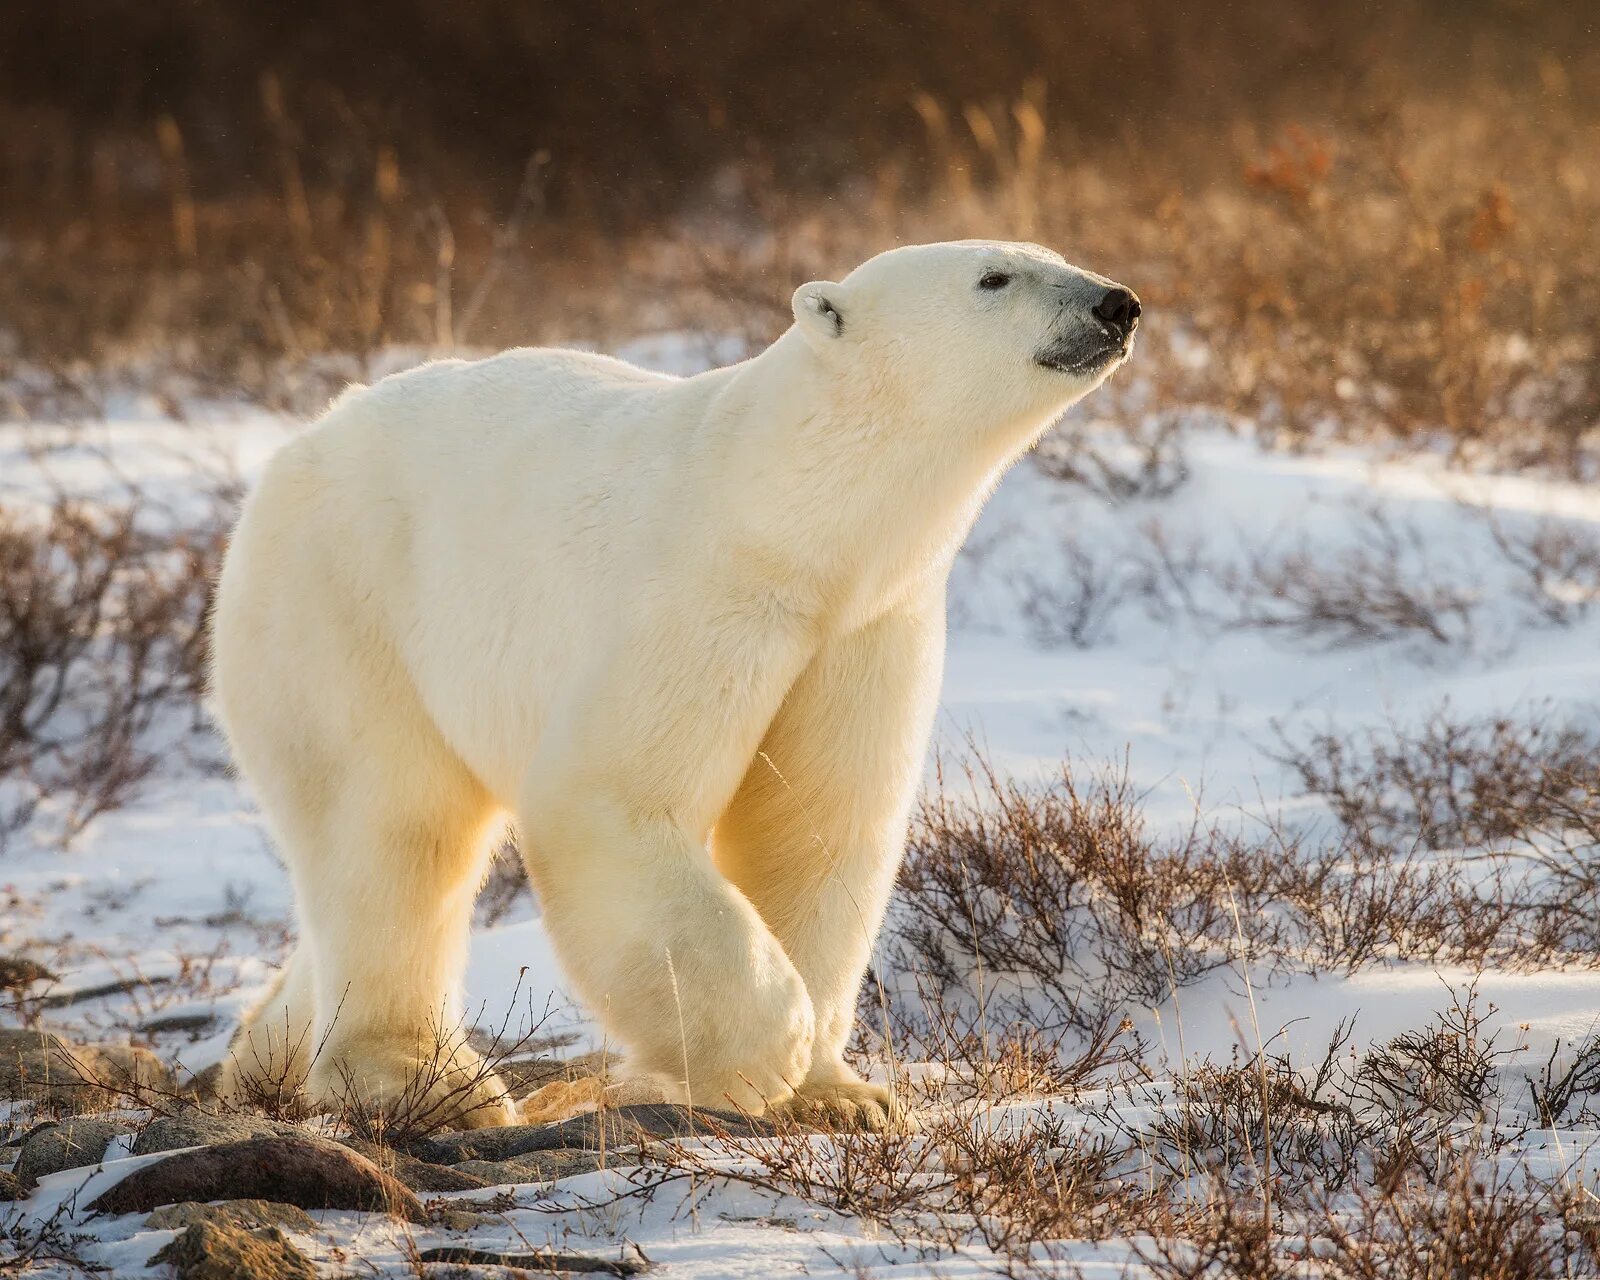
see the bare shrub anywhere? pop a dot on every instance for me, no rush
(1357, 901)
(102, 631)
(1477, 1224)
(1142, 461)
(1466, 840)
(1053, 908)
(1296, 1135)
(1168, 569)
(956, 1182)
(1057, 908)
(1247, 1124)
(1426, 1087)
(1557, 566)
(1499, 783)
(982, 1049)
(1563, 1081)
(1381, 588)
(1373, 1165)
(1076, 605)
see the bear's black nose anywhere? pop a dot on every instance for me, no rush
(1119, 308)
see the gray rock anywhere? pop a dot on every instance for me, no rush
(219, 1251)
(202, 1086)
(536, 1166)
(178, 1022)
(11, 1187)
(69, 1144)
(126, 1064)
(615, 1127)
(42, 1066)
(419, 1175)
(197, 1129)
(38, 1065)
(464, 1219)
(77, 995)
(248, 1214)
(309, 1172)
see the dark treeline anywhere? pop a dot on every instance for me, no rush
(638, 103)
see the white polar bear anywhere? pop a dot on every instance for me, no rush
(690, 631)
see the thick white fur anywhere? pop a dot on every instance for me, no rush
(690, 631)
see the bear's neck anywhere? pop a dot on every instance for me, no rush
(820, 476)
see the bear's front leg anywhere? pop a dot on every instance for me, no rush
(668, 955)
(815, 833)
(615, 813)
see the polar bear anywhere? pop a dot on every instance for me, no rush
(688, 631)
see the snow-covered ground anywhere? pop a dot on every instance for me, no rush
(1067, 643)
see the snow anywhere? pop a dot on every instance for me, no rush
(181, 886)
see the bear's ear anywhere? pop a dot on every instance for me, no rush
(819, 311)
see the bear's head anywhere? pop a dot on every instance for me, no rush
(973, 335)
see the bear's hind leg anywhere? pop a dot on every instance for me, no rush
(387, 911)
(384, 832)
(270, 1057)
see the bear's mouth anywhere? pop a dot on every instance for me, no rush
(1080, 362)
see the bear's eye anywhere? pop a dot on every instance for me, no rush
(994, 280)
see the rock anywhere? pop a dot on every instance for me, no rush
(69, 1144)
(463, 1219)
(618, 1127)
(41, 1066)
(419, 1175)
(197, 1129)
(128, 1065)
(249, 1214)
(218, 1251)
(11, 1187)
(535, 1166)
(61, 999)
(178, 1022)
(543, 1262)
(308, 1172)
(202, 1086)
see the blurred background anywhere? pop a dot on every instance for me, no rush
(1343, 217)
